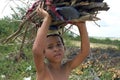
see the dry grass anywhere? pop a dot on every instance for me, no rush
(104, 46)
(95, 45)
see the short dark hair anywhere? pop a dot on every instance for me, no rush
(55, 34)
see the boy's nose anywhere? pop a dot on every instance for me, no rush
(56, 48)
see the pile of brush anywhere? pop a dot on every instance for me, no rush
(68, 10)
(62, 11)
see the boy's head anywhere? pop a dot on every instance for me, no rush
(49, 35)
(54, 50)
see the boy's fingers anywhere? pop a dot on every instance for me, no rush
(38, 6)
(42, 4)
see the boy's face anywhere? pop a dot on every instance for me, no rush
(54, 50)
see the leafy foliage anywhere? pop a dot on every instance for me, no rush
(7, 27)
(12, 70)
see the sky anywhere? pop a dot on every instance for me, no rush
(109, 23)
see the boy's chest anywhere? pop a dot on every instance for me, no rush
(60, 76)
(57, 76)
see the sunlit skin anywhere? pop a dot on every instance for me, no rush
(53, 49)
(54, 52)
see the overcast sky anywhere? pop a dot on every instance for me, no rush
(110, 25)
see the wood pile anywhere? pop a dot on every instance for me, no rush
(62, 11)
(69, 10)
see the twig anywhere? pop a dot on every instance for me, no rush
(5, 6)
(20, 27)
(22, 33)
(24, 37)
(97, 24)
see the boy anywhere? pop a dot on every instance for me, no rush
(52, 47)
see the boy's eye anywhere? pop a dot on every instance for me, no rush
(59, 45)
(50, 47)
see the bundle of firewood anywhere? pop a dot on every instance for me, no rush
(62, 11)
(68, 10)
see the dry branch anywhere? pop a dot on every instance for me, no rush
(20, 27)
(88, 12)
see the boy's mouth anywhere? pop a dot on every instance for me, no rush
(58, 55)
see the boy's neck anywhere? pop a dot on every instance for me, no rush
(55, 66)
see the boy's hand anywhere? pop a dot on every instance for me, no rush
(41, 12)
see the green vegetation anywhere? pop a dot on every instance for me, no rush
(106, 41)
(12, 69)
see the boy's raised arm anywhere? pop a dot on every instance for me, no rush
(85, 46)
(39, 43)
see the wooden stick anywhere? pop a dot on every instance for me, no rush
(20, 27)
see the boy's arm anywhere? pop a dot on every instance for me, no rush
(39, 43)
(85, 46)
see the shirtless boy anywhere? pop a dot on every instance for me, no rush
(52, 48)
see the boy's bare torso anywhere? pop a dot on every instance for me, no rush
(50, 74)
